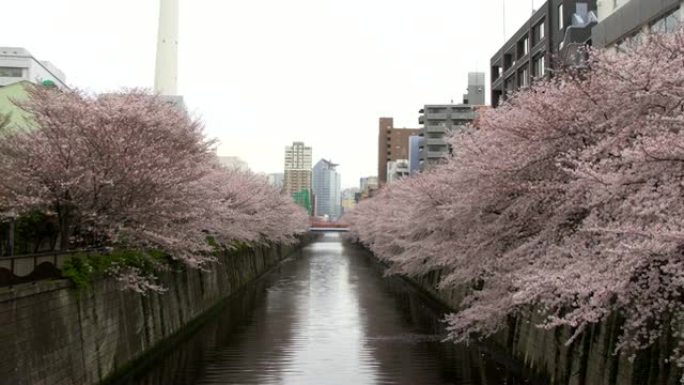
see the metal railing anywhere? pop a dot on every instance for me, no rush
(34, 267)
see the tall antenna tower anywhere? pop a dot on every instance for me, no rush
(166, 73)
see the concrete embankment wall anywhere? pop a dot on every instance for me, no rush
(52, 333)
(589, 360)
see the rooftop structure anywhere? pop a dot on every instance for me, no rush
(17, 64)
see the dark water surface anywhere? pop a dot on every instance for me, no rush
(327, 316)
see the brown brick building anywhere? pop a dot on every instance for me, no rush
(393, 144)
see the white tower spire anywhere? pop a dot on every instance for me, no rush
(166, 74)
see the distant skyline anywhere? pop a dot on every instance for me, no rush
(265, 73)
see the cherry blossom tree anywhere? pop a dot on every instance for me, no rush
(567, 199)
(111, 162)
(135, 171)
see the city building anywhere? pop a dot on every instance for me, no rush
(397, 169)
(368, 186)
(368, 183)
(297, 175)
(326, 189)
(622, 19)
(555, 30)
(414, 153)
(233, 163)
(349, 199)
(439, 119)
(475, 95)
(393, 144)
(17, 64)
(276, 180)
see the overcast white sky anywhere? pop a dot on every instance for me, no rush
(264, 73)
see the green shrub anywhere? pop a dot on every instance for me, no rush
(83, 268)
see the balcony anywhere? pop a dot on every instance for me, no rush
(437, 116)
(436, 129)
(464, 115)
(435, 142)
(435, 154)
(421, 119)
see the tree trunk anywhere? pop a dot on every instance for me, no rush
(64, 228)
(11, 237)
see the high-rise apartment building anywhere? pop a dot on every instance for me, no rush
(297, 168)
(555, 31)
(326, 188)
(17, 64)
(439, 119)
(393, 144)
(621, 19)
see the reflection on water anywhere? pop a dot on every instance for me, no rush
(325, 317)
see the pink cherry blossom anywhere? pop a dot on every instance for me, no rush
(567, 199)
(137, 172)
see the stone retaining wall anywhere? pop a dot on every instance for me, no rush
(588, 361)
(54, 334)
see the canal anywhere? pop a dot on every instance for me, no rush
(326, 316)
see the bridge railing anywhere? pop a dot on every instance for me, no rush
(328, 225)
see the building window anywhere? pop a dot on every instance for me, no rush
(10, 72)
(509, 61)
(523, 77)
(496, 72)
(560, 17)
(523, 47)
(509, 85)
(538, 32)
(539, 66)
